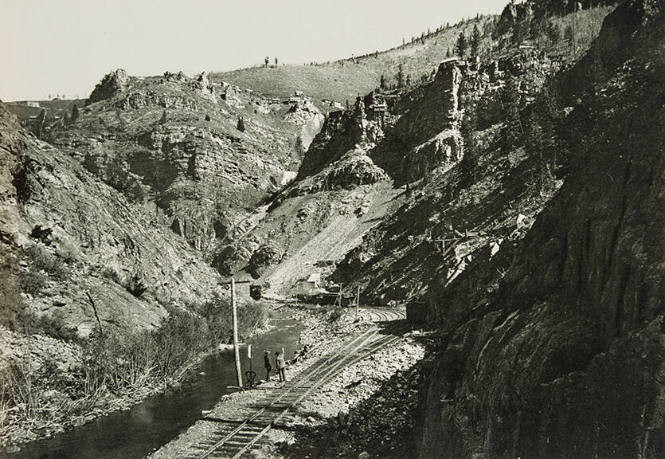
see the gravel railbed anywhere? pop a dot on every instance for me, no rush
(385, 383)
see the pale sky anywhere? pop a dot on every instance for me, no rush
(66, 46)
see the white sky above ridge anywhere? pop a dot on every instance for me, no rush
(66, 46)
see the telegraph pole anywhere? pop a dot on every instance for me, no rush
(236, 350)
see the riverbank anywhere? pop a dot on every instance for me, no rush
(366, 406)
(46, 412)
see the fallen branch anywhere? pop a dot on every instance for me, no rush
(94, 308)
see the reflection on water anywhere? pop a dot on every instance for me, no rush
(145, 427)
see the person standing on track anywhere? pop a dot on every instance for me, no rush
(281, 366)
(266, 363)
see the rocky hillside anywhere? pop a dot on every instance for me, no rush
(197, 155)
(100, 305)
(358, 152)
(556, 347)
(66, 234)
(512, 200)
(415, 136)
(419, 56)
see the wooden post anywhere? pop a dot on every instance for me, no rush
(236, 350)
(357, 301)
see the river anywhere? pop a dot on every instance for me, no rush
(145, 427)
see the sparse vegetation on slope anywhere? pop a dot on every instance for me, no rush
(345, 79)
(557, 345)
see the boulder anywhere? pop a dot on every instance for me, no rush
(263, 258)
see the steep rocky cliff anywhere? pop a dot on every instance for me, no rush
(457, 211)
(565, 357)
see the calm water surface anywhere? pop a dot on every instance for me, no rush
(142, 429)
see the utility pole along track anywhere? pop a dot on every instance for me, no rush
(233, 439)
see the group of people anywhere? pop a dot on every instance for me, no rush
(279, 363)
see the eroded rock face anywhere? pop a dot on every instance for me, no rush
(567, 356)
(443, 151)
(414, 135)
(204, 86)
(144, 99)
(112, 84)
(355, 168)
(341, 131)
(436, 110)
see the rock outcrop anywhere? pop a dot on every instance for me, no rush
(425, 135)
(407, 138)
(263, 258)
(355, 168)
(341, 131)
(112, 84)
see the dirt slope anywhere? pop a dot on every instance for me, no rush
(339, 235)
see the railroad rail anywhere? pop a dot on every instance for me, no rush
(383, 314)
(235, 438)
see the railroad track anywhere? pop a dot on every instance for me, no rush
(235, 438)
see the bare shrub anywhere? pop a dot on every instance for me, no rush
(41, 259)
(33, 282)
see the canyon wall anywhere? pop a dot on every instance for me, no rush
(565, 357)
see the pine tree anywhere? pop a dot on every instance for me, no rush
(510, 107)
(162, 120)
(383, 84)
(553, 32)
(569, 35)
(75, 113)
(520, 31)
(276, 62)
(266, 61)
(475, 41)
(470, 160)
(299, 147)
(400, 76)
(461, 45)
(41, 119)
(241, 124)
